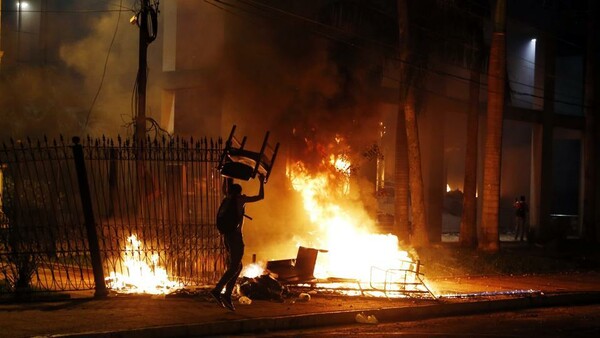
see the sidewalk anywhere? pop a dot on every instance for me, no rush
(146, 316)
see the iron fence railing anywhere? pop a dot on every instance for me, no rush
(68, 211)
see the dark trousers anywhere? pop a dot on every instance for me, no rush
(234, 245)
(521, 227)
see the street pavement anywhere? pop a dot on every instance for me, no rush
(194, 314)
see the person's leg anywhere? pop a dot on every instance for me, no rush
(229, 270)
(237, 253)
(524, 234)
(231, 284)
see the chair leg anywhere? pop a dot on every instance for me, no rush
(272, 161)
(262, 151)
(228, 144)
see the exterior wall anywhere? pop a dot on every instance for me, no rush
(192, 90)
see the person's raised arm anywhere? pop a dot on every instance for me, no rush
(261, 192)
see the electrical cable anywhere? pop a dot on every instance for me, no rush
(226, 10)
(87, 119)
(519, 22)
(465, 44)
(410, 64)
(135, 108)
(326, 35)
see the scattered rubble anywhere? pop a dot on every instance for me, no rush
(366, 319)
(264, 287)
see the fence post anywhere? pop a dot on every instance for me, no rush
(112, 182)
(90, 223)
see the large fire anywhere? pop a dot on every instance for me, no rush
(345, 230)
(141, 273)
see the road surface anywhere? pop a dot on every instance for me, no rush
(576, 321)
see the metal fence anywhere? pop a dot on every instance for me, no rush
(68, 209)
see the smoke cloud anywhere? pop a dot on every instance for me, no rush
(60, 70)
(317, 97)
(112, 112)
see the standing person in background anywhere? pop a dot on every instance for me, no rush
(513, 230)
(521, 210)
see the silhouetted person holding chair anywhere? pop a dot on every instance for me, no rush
(234, 205)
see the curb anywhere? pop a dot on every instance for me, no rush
(393, 314)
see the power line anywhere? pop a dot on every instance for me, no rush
(87, 119)
(221, 8)
(509, 19)
(258, 6)
(469, 46)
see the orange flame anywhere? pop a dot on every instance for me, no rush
(253, 270)
(345, 229)
(141, 274)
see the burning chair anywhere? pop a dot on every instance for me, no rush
(237, 162)
(298, 270)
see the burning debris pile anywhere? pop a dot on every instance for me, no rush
(264, 287)
(355, 252)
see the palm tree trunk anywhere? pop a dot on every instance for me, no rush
(493, 141)
(401, 210)
(420, 237)
(402, 228)
(468, 224)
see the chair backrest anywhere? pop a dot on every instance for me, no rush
(305, 262)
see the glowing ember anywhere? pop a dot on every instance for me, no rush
(342, 164)
(141, 274)
(355, 250)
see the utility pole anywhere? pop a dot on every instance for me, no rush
(147, 20)
(142, 78)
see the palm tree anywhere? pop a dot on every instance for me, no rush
(401, 200)
(488, 241)
(468, 222)
(419, 235)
